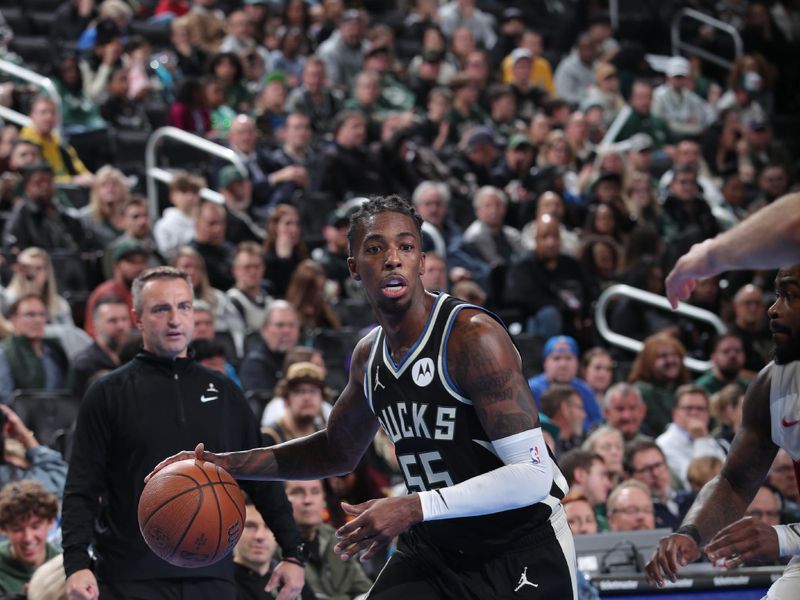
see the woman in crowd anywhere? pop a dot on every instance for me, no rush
(33, 274)
(608, 443)
(306, 292)
(103, 216)
(284, 248)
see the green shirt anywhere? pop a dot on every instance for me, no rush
(655, 127)
(13, 574)
(712, 384)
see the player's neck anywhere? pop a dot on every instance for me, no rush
(403, 330)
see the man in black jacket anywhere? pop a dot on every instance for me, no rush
(161, 401)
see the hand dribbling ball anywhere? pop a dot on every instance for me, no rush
(191, 513)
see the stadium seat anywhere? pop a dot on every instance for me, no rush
(35, 51)
(77, 195)
(356, 314)
(42, 21)
(16, 19)
(336, 347)
(157, 34)
(44, 5)
(530, 349)
(129, 149)
(47, 413)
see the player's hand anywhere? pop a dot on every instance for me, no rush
(746, 540)
(82, 585)
(290, 577)
(199, 453)
(674, 551)
(376, 524)
(691, 267)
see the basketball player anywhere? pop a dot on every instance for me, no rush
(771, 419)
(483, 518)
(767, 239)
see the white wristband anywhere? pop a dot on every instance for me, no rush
(788, 539)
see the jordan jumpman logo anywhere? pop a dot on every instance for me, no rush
(377, 379)
(523, 581)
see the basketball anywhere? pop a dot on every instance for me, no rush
(191, 513)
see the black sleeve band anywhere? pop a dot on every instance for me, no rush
(692, 532)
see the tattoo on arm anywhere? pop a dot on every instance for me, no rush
(332, 451)
(486, 368)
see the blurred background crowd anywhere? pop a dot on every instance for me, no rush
(553, 149)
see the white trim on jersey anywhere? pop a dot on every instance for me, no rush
(419, 345)
(441, 365)
(368, 370)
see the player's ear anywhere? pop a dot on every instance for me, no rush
(421, 264)
(351, 266)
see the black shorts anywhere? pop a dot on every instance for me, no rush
(169, 589)
(542, 569)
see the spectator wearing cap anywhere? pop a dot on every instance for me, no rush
(464, 13)
(604, 92)
(346, 168)
(472, 165)
(28, 360)
(342, 52)
(550, 290)
(686, 113)
(541, 74)
(639, 153)
(303, 388)
(512, 173)
(237, 190)
(37, 220)
(129, 259)
(314, 98)
(561, 355)
(101, 59)
(575, 73)
(686, 217)
(178, 223)
(332, 256)
(529, 97)
(62, 158)
(427, 71)
(762, 148)
(488, 237)
(637, 118)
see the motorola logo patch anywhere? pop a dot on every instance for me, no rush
(422, 372)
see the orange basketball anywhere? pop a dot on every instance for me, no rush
(191, 513)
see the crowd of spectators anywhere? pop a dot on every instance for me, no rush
(549, 155)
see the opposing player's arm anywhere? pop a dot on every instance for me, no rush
(334, 451)
(486, 367)
(725, 498)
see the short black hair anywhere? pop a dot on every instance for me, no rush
(104, 300)
(379, 204)
(635, 447)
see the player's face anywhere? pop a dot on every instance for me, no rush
(387, 258)
(580, 517)
(28, 540)
(166, 319)
(257, 544)
(633, 511)
(784, 315)
(308, 502)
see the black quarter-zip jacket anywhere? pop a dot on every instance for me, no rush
(130, 420)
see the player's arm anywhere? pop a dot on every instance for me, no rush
(770, 238)
(726, 497)
(335, 450)
(486, 367)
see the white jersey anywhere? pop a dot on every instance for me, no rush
(784, 407)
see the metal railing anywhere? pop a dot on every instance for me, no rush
(679, 46)
(36, 79)
(154, 173)
(645, 297)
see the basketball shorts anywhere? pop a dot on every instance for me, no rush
(788, 586)
(542, 566)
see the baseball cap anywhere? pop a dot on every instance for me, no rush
(37, 167)
(338, 217)
(511, 13)
(520, 53)
(350, 15)
(481, 135)
(519, 139)
(228, 175)
(106, 31)
(561, 344)
(677, 66)
(127, 248)
(305, 372)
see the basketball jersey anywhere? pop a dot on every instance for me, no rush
(438, 438)
(784, 410)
